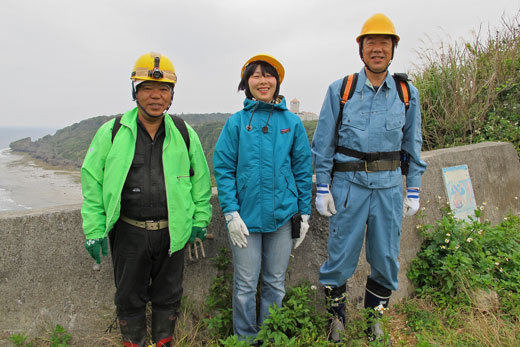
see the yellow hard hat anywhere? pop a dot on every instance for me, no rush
(268, 59)
(378, 24)
(154, 67)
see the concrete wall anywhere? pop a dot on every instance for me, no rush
(46, 276)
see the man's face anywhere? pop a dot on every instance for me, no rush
(377, 51)
(154, 97)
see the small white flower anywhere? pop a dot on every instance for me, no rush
(484, 203)
(469, 239)
(505, 218)
(497, 263)
(443, 247)
(381, 309)
(501, 270)
(448, 234)
(479, 232)
(313, 287)
(457, 246)
(447, 241)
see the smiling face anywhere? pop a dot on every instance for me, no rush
(262, 85)
(154, 97)
(377, 51)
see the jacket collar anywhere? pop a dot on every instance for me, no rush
(362, 80)
(280, 105)
(129, 119)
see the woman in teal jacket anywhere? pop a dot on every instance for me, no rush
(263, 170)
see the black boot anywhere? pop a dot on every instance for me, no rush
(133, 331)
(335, 300)
(163, 325)
(376, 298)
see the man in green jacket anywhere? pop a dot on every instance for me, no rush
(146, 185)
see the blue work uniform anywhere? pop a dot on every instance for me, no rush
(374, 120)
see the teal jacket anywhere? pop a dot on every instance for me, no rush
(266, 177)
(106, 166)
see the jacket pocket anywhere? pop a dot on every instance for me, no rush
(358, 121)
(291, 184)
(395, 121)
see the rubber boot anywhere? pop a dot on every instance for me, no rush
(133, 331)
(335, 300)
(163, 325)
(377, 298)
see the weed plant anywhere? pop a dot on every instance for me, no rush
(470, 91)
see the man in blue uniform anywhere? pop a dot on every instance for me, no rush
(358, 173)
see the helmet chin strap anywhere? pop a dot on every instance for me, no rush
(141, 108)
(377, 72)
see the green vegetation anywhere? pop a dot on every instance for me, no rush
(470, 92)
(55, 338)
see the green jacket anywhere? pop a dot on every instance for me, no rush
(106, 166)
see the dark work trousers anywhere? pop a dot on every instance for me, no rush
(144, 271)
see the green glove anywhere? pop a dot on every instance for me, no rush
(94, 247)
(198, 232)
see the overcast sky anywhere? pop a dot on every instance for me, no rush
(63, 61)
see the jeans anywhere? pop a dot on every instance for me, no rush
(268, 254)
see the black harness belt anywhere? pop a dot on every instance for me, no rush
(368, 166)
(370, 156)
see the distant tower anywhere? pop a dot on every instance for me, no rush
(295, 105)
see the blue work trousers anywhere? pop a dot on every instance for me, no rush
(376, 213)
(268, 254)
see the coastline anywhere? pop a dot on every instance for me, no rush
(28, 183)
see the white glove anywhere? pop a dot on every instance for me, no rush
(237, 229)
(324, 201)
(411, 202)
(303, 230)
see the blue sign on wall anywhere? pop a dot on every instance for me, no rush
(459, 191)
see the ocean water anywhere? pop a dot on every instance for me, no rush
(10, 134)
(24, 185)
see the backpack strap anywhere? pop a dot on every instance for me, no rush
(403, 88)
(347, 90)
(117, 125)
(179, 124)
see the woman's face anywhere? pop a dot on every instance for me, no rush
(262, 87)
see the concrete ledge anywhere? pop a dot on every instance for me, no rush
(46, 276)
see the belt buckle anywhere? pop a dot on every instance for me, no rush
(366, 167)
(151, 225)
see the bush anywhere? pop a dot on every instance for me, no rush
(457, 258)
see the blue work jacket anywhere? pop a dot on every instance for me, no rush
(373, 121)
(265, 176)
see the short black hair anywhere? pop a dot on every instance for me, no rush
(250, 69)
